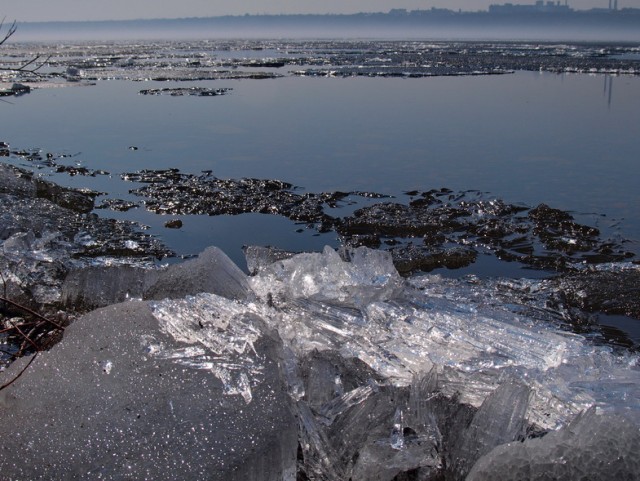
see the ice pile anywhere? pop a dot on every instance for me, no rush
(325, 366)
(393, 376)
(464, 331)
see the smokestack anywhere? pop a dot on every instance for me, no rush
(615, 4)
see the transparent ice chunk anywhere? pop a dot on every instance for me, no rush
(470, 334)
(397, 434)
(325, 276)
(218, 336)
(388, 377)
(500, 419)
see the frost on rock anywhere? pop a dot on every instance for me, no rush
(120, 398)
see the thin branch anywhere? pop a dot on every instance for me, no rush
(25, 65)
(27, 340)
(23, 68)
(10, 32)
(32, 312)
(7, 384)
(12, 328)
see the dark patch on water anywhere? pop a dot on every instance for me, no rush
(187, 91)
(437, 228)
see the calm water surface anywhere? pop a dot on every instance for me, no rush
(568, 140)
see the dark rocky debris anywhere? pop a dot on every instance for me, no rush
(437, 228)
(55, 162)
(602, 291)
(15, 90)
(47, 230)
(182, 91)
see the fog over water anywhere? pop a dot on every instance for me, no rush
(71, 10)
(256, 27)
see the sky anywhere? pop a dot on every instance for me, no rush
(73, 10)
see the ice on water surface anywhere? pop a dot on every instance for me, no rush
(361, 344)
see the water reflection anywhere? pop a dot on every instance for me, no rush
(525, 137)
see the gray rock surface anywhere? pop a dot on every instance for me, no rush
(100, 405)
(211, 272)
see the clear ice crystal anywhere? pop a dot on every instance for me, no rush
(217, 335)
(397, 435)
(370, 275)
(374, 363)
(400, 329)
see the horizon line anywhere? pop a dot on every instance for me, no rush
(389, 12)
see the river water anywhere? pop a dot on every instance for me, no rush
(565, 139)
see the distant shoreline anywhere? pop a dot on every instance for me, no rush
(436, 24)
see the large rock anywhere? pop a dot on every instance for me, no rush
(104, 404)
(211, 272)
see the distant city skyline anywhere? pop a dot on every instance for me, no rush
(78, 10)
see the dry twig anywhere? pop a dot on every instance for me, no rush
(34, 333)
(31, 66)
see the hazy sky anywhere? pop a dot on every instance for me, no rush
(42, 10)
